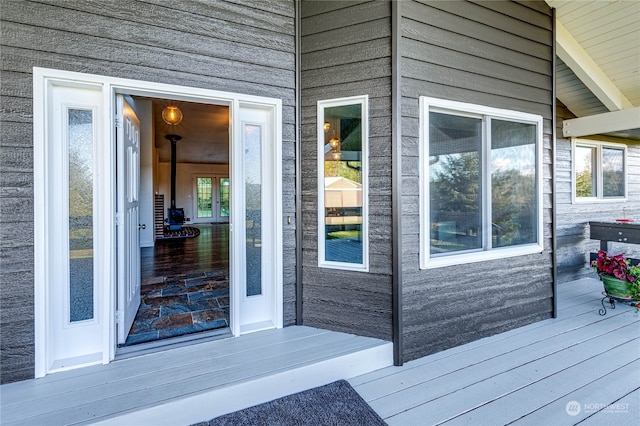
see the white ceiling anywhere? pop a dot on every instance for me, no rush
(204, 130)
(598, 44)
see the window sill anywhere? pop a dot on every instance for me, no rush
(586, 200)
(480, 256)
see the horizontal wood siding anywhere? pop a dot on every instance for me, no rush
(346, 51)
(237, 46)
(497, 54)
(573, 237)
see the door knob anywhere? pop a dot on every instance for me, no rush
(143, 226)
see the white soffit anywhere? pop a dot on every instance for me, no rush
(599, 41)
(587, 70)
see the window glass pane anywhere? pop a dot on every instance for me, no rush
(224, 197)
(455, 147)
(204, 197)
(612, 172)
(514, 218)
(80, 144)
(585, 176)
(253, 200)
(343, 184)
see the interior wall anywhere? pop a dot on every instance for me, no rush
(184, 183)
(144, 111)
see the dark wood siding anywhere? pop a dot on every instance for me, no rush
(497, 54)
(346, 51)
(237, 46)
(573, 240)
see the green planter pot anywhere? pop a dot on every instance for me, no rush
(615, 287)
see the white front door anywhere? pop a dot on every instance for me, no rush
(86, 262)
(256, 184)
(128, 188)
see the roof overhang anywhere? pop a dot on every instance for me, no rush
(608, 122)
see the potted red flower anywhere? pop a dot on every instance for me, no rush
(620, 278)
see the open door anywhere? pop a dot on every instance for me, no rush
(128, 188)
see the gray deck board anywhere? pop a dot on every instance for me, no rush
(527, 375)
(102, 392)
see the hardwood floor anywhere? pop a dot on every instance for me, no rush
(184, 286)
(206, 253)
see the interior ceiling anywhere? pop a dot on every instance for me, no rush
(204, 130)
(605, 40)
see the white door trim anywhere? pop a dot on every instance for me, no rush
(106, 184)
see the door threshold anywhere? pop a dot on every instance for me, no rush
(171, 343)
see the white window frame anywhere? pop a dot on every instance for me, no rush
(428, 104)
(363, 100)
(599, 146)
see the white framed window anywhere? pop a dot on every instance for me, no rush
(599, 171)
(343, 223)
(480, 183)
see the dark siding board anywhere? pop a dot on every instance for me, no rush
(514, 101)
(538, 6)
(465, 79)
(420, 32)
(23, 59)
(353, 34)
(348, 55)
(214, 45)
(343, 18)
(498, 18)
(371, 69)
(518, 11)
(378, 87)
(12, 85)
(419, 51)
(312, 8)
(90, 47)
(444, 46)
(215, 20)
(431, 15)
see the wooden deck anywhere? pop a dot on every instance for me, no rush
(581, 362)
(192, 383)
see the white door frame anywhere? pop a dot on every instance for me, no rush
(106, 188)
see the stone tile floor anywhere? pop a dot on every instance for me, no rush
(179, 305)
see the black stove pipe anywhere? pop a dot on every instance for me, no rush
(173, 139)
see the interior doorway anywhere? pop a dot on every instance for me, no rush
(184, 272)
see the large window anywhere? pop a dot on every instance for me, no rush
(599, 171)
(480, 183)
(342, 184)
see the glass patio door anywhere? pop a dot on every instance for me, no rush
(211, 199)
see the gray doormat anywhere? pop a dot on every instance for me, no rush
(335, 404)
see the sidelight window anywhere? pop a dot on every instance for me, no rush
(342, 183)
